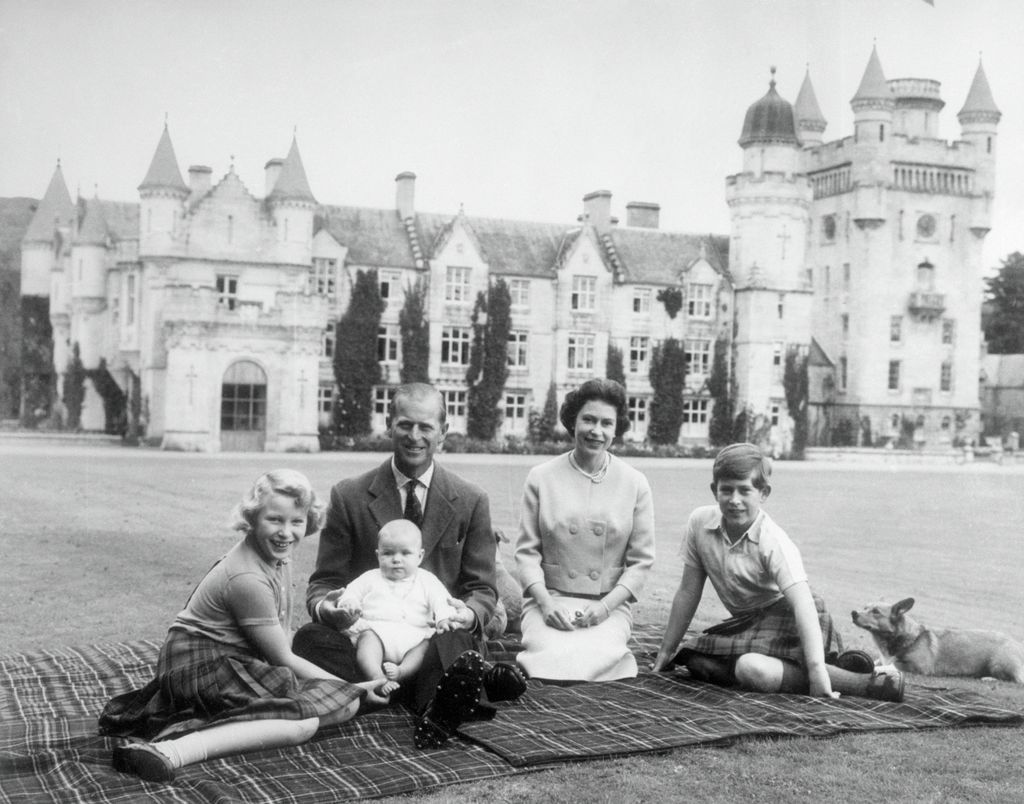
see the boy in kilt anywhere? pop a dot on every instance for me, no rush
(780, 631)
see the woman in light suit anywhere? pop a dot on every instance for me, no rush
(586, 544)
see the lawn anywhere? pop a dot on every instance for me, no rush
(105, 544)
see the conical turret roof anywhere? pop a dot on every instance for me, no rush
(806, 109)
(979, 97)
(769, 120)
(55, 206)
(873, 85)
(92, 227)
(164, 173)
(292, 184)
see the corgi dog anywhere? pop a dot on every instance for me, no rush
(916, 648)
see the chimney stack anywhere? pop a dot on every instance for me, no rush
(643, 214)
(199, 179)
(597, 209)
(405, 194)
(272, 170)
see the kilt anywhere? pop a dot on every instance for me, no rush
(770, 631)
(200, 682)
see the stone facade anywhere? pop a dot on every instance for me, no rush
(220, 305)
(869, 248)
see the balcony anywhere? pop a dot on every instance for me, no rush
(926, 305)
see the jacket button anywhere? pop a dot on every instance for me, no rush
(594, 575)
(598, 530)
(573, 573)
(573, 529)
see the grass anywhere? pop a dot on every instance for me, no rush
(106, 544)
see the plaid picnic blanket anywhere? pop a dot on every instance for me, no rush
(50, 750)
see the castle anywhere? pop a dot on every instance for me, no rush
(215, 308)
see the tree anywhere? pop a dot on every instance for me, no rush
(114, 399)
(415, 333)
(74, 388)
(543, 424)
(488, 361)
(614, 369)
(720, 426)
(1004, 322)
(39, 383)
(356, 368)
(668, 379)
(796, 383)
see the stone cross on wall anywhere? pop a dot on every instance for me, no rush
(191, 377)
(783, 236)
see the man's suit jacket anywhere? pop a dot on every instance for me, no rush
(458, 541)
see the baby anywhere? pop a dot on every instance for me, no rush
(394, 610)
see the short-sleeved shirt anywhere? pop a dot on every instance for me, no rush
(751, 572)
(241, 589)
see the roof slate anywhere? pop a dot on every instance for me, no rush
(374, 237)
(163, 171)
(55, 204)
(873, 85)
(979, 96)
(292, 184)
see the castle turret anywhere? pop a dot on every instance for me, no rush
(48, 230)
(769, 206)
(88, 280)
(292, 205)
(979, 119)
(873, 107)
(873, 104)
(810, 122)
(163, 193)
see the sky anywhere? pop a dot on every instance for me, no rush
(512, 109)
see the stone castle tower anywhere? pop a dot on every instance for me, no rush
(865, 251)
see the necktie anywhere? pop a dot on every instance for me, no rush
(413, 509)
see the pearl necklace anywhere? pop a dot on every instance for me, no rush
(593, 477)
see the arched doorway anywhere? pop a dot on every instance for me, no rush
(243, 408)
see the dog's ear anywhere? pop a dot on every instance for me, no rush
(901, 608)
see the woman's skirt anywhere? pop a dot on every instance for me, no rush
(597, 653)
(200, 682)
(771, 631)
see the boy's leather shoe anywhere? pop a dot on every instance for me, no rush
(886, 687)
(855, 661)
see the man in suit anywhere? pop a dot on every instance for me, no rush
(458, 544)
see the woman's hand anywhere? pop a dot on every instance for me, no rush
(556, 616)
(594, 614)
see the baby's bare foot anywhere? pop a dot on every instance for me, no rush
(386, 689)
(390, 670)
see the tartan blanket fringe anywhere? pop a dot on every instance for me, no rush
(50, 749)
